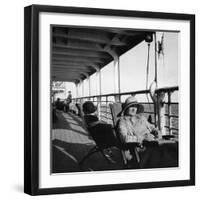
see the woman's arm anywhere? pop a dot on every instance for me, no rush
(152, 130)
(124, 134)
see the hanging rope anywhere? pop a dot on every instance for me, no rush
(156, 71)
(161, 54)
(147, 74)
(148, 39)
(156, 82)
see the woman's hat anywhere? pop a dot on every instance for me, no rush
(132, 101)
(89, 107)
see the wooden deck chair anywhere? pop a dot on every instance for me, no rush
(169, 146)
(103, 141)
(116, 108)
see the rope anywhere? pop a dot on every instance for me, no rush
(156, 71)
(156, 81)
(147, 74)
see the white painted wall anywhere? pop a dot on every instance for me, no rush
(11, 70)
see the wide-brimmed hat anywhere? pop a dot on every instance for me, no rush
(132, 101)
(89, 107)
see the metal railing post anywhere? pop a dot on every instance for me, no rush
(116, 74)
(76, 84)
(169, 112)
(117, 88)
(82, 88)
(162, 119)
(99, 106)
(99, 92)
(89, 85)
(80, 85)
(107, 109)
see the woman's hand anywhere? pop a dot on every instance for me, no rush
(156, 133)
(132, 138)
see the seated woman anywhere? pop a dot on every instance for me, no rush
(101, 132)
(133, 127)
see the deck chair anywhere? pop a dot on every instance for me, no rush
(169, 146)
(96, 134)
(116, 108)
(103, 141)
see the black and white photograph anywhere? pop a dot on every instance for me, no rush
(100, 100)
(109, 99)
(114, 99)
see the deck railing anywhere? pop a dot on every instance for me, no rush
(169, 109)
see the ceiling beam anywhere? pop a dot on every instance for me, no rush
(67, 78)
(78, 59)
(63, 79)
(74, 61)
(86, 35)
(77, 52)
(80, 44)
(68, 72)
(67, 68)
(79, 75)
(81, 59)
(74, 64)
(88, 56)
(71, 66)
(67, 75)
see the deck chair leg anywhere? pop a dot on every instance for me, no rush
(137, 155)
(124, 157)
(108, 158)
(134, 163)
(91, 151)
(136, 158)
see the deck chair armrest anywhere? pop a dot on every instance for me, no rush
(131, 145)
(150, 143)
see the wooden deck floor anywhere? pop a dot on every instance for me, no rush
(71, 142)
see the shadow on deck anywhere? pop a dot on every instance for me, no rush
(71, 142)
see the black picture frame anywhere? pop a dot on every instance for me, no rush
(31, 98)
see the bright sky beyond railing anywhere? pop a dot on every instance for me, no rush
(133, 70)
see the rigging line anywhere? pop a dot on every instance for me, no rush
(147, 74)
(156, 71)
(156, 81)
(163, 49)
(164, 68)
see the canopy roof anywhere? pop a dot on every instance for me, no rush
(78, 52)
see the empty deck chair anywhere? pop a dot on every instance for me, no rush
(116, 108)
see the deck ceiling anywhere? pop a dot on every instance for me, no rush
(78, 52)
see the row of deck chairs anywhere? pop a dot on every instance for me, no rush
(102, 145)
